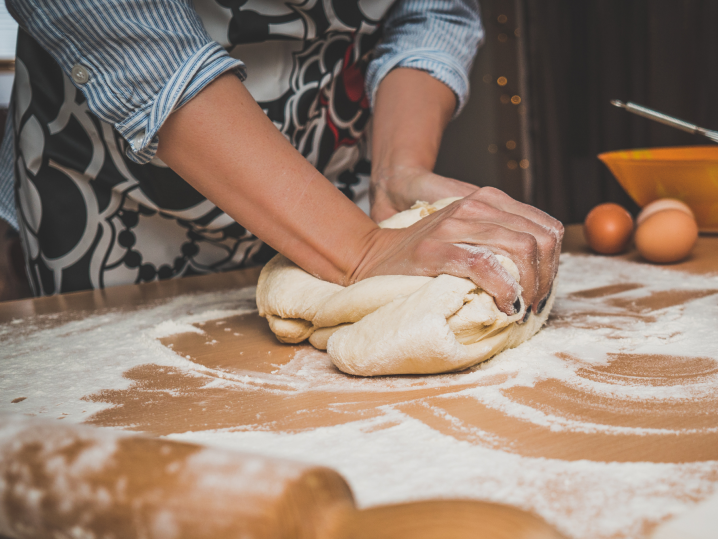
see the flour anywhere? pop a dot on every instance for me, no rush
(411, 462)
(174, 327)
(92, 353)
(394, 456)
(486, 255)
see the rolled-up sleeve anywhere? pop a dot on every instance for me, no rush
(440, 37)
(135, 61)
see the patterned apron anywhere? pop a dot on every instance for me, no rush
(90, 218)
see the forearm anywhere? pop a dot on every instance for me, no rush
(411, 112)
(223, 144)
(410, 115)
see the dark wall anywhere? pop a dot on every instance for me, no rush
(484, 144)
(581, 54)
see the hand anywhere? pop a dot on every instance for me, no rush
(397, 189)
(490, 221)
(410, 114)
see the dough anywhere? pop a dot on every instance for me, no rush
(393, 324)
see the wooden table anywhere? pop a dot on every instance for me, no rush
(593, 446)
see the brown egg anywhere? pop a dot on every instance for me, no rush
(608, 228)
(660, 205)
(667, 236)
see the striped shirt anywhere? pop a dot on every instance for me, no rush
(144, 59)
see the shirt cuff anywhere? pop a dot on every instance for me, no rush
(440, 65)
(141, 128)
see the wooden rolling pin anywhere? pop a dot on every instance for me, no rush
(59, 480)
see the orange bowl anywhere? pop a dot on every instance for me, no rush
(687, 173)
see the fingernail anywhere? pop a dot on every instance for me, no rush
(526, 316)
(517, 305)
(542, 303)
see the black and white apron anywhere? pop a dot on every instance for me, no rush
(90, 217)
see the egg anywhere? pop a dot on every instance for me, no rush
(666, 236)
(608, 228)
(660, 205)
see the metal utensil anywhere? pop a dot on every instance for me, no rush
(665, 119)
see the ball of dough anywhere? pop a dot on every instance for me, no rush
(393, 324)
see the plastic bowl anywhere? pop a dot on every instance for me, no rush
(687, 173)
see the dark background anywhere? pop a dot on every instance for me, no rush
(662, 54)
(580, 54)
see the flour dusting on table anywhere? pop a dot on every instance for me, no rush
(630, 344)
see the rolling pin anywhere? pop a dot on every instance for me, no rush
(60, 480)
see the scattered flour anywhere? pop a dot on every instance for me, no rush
(395, 457)
(410, 461)
(55, 364)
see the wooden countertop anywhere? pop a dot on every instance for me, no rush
(703, 260)
(162, 400)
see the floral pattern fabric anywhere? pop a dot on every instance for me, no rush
(90, 217)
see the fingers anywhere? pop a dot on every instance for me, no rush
(546, 242)
(474, 223)
(464, 238)
(481, 239)
(500, 200)
(477, 263)
(520, 247)
(547, 230)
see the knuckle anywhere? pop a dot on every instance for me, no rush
(559, 230)
(471, 207)
(548, 242)
(528, 244)
(556, 228)
(491, 193)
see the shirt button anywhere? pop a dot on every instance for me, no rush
(80, 74)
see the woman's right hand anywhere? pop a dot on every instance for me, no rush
(463, 238)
